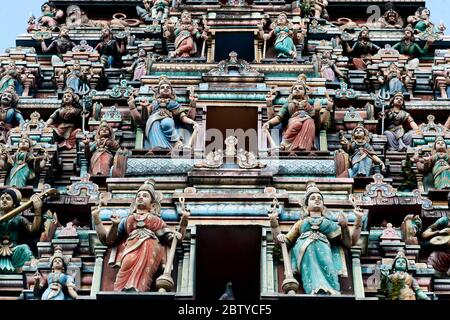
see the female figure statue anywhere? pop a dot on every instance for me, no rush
(77, 79)
(298, 117)
(24, 164)
(400, 285)
(101, 151)
(187, 32)
(284, 32)
(362, 50)
(12, 76)
(61, 45)
(66, 121)
(362, 154)
(51, 16)
(146, 235)
(439, 161)
(396, 120)
(13, 255)
(141, 66)
(313, 255)
(60, 286)
(410, 48)
(393, 80)
(109, 48)
(160, 130)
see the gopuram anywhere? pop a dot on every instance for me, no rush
(226, 149)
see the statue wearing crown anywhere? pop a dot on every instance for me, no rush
(163, 117)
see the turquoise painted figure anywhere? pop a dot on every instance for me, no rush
(284, 33)
(312, 255)
(161, 128)
(439, 161)
(14, 255)
(12, 76)
(60, 286)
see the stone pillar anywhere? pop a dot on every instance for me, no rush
(323, 140)
(98, 270)
(358, 283)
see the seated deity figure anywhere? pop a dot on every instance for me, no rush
(14, 255)
(51, 16)
(10, 117)
(298, 117)
(396, 121)
(362, 50)
(316, 242)
(141, 239)
(61, 45)
(393, 80)
(284, 33)
(141, 66)
(153, 10)
(12, 76)
(399, 284)
(362, 155)
(77, 79)
(110, 49)
(164, 115)
(411, 49)
(58, 284)
(391, 19)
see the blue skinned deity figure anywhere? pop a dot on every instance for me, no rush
(163, 118)
(10, 117)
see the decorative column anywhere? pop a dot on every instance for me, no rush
(98, 270)
(358, 283)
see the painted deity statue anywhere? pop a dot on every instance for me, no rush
(110, 49)
(393, 80)
(12, 76)
(161, 130)
(327, 67)
(101, 151)
(409, 48)
(421, 20)
(396, 121)
(141, 66)
(10, 117)
(51, 16)
(362, 155)
(316, 245)
(284, 33)
(13, 255)
(298, 118)
(439, 162)
(77, 79)
(61, 45)
(400, 285)
(58, 285)
(362, 50)
(23, 165)
(143, 236)
(153, 10)
(438, 234)
(66, 120)
(187, 32)
(391, 19)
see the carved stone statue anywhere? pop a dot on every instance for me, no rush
(101, 151)
(14, 255)
(160, 128)
(284, 33)
(409, 48)
(393, 80)
(146, 235)
(51, 16)
(153, 10)
(362, 49)
(312, 239)
(58, 285)
(77, 78)
(362, 154)
(400, 285)
(110, 49)
(397, 120)
(391, 19)
(61, 45)
(12, 75)
(10, 117)
(142, 65)
(327, 67)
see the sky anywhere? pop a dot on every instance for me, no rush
(14, 16)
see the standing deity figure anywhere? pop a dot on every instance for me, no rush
(391, 19)
(10, 117)
(66, 120)
(110, 49)
(14, 255)
(142, 65)
(411, 49)
(362, 49)
(58, 285)
(187, 32)
(153, 10)
(362, 154)
(142, 239)
(161, 127)
(101, 151)
(400, 285)
(284, 32)
(317, 243)
(396, 121)
(23, 165)
(12, 76)
(61, 45)
(298, 118)
(51, 16)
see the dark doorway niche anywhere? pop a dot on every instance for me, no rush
(240, 42)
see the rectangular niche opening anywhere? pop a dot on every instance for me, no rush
(238, 121)
(242, 43)
(228, 254)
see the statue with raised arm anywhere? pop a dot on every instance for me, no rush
(51, 16)
(362, 50)
(142, 238)
(110, 49)
(284, 33)
(12, 75)
(61, 45)
(410, 48)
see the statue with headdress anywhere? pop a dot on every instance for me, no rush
(284, 33)
(317, 241)
(362, 155)
(298, 119)
(399, 284)
(362, 50)
(12, 254)
(141, 238)
(59, 285)
(162, 117)
(101, 151)
(10, 117)
(410, 48)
